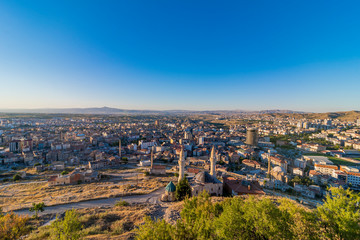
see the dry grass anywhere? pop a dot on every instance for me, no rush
(19, 196)
(106, 223)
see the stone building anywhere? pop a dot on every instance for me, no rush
(74, 177)
(205, 181)
(169, 195)
(279, 173)
(208, 182)
(156, 169)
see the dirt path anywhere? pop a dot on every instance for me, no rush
(57, 209)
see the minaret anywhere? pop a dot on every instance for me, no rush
(152, 158)
(181, 165)
(269, 165)
(119, 148)
(212, 162)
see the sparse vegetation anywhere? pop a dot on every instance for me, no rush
(260, 218)
(121, 203)
(37, 207)
(22, 196)
(13, 226)
(339, 161)
(16, 177)
(301, 180)
(68, 228)
(96, 223)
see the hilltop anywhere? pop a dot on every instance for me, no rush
(344, 116)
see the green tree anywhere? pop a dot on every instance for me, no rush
(252, 219)
(261, 218)
(13, 226)
(36, 207)
(69, 228)
(158, 229)
(340, 214)
(183, 189)
(301, 180)
(64, 172)
(198, 217)
(301, 223)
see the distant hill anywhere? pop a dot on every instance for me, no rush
(102, 110)
(344, 116)
(108, 110)
(348, 116)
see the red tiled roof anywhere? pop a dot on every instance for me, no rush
(193, 170)
(247, 161)
(326, 166)
(52, 178)
(237, 186)
(159, 167)
(313, 172)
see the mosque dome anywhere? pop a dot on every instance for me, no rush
(200, 177)
(170, 187)
(278, 169)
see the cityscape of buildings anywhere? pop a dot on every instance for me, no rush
(264, 153)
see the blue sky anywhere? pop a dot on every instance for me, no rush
(249, 55)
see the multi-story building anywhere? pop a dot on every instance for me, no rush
(326, 169)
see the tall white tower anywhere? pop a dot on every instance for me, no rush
(181, 165)
(212, 162)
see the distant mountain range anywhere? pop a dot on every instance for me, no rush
(108, 110)
(344, 116)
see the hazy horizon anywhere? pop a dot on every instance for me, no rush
(48, 110)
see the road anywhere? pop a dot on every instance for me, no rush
(19, 183)
(153, 197)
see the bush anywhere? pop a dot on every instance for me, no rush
(17, 177)
(121, 203)
(68, 228)
(64, 172)
(92, 230)
(117, 227)
(13, 226)
(156, 230)
(340, 214)
(146, 173)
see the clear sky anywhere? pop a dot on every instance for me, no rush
(179, 54)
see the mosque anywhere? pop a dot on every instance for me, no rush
(202, 180)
